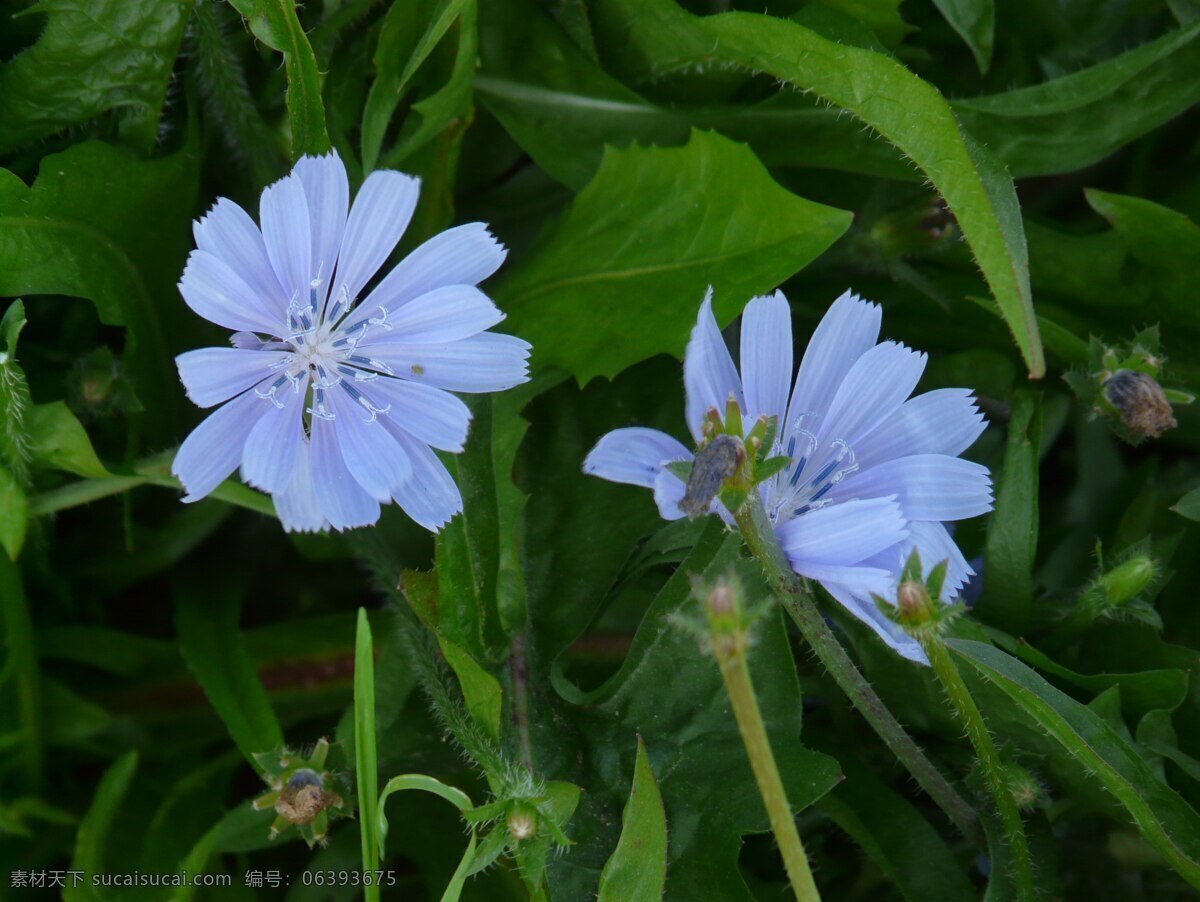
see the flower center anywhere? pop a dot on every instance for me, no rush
(815, 469)
(326, 351)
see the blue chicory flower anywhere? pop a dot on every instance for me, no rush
(873, 473)
(333, 404)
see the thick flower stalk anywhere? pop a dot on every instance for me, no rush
(333, 397)
(871, 473)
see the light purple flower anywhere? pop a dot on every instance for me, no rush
(873, 473)
(331, 404)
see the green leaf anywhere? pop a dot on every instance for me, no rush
(409, 34)
(94, 833)
(638, 866)
(1071, 122)
(1141, 692)
(563, 109)
(100, 225)
(206, 622)
(59, 441)
(975, 22)
(1167, 245)
(1007, 599)
(664, 692)
(14, 514)
(881, 16)
(365, 751)
(912, 115)
(616, 282)
(274, 22)
(576, 556)
(480, 588)
(894, 834)
(14, 398)
(93, 57)
(1189, 505)
(1162, 817)
(481, 691)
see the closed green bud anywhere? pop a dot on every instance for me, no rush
(1127, 581)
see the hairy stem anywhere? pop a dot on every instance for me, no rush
(760, 539)
(989, 759)
(731, 657)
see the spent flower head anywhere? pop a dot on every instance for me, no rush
(1122, 385)
(303, 794)
(856, 475)
(334, 397)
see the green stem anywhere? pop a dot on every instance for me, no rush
(731, 657)
(760, 539)
(154, 470)
(989, 759)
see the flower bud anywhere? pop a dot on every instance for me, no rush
(1141, 403)
(1027, 792)
(913, 601)
(1128, 580)
(522, 823)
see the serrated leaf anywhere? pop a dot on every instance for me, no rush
(621, 275)
(638, 866)
(274, 22)
(913, 116)
(1162, 817)
(563, 109)
(93, 56)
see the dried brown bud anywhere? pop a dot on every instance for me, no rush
(716, 462)
(303, 797)
(1141, 402)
